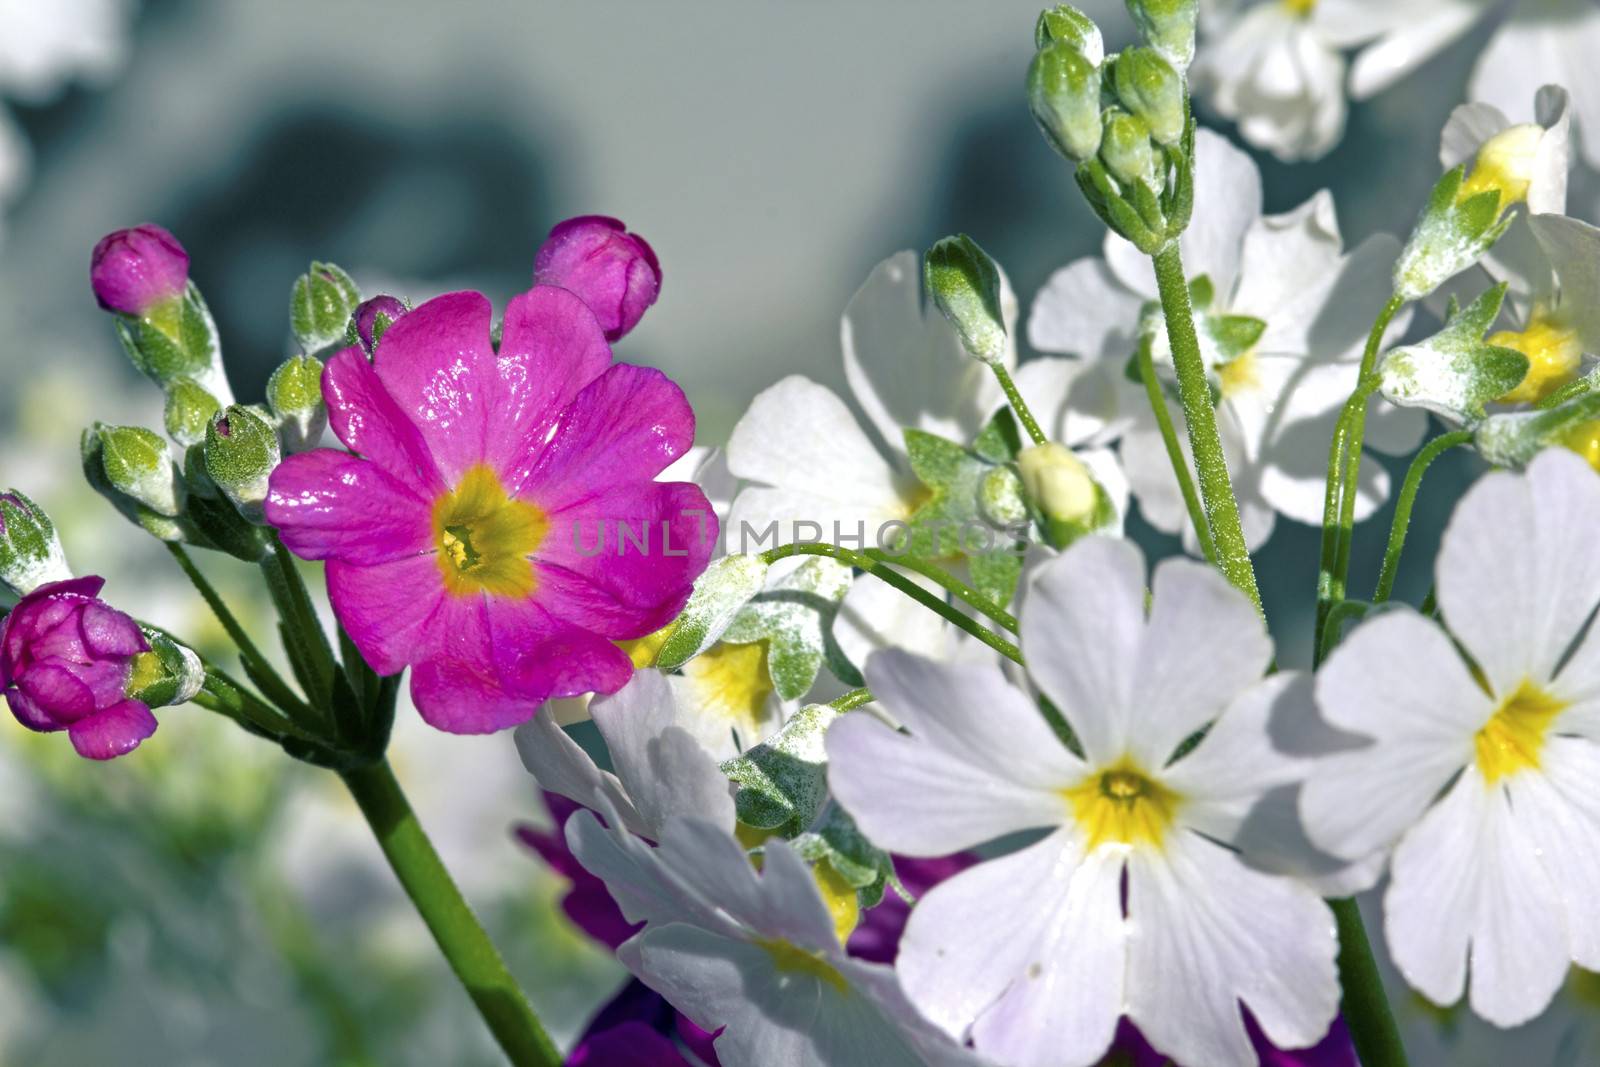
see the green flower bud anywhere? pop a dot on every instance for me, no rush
(1069, 500)
(1149, 87)
(320, 305)
(1064, 94)
(1001, 498)
(241, 451)
(1126, 149)
(168, 674)
(294, 392)
(1169, 27)
(30, 551)
(175, 339)
(190, 409)
(1512, 439)
(131, 467)
(965, 284)
(1067, 24)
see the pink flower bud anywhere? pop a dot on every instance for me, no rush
(613, 271)
(372, 317)
(134, 270)
(65, 661)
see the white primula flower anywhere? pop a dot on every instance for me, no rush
(1483, 767)
(1282, 336)
(808, 461)
(1138, 901)
(1540, 42)
(1277, 67)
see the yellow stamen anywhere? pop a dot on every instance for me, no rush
(1300, 8)
(840, 897)
(1123, 805)
(732, 681)
(790, 959)
(1554, 353)
(485, 537)
(1513, 738)
(1505, 164)
(1584, 439)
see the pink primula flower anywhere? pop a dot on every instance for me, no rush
(499, 528)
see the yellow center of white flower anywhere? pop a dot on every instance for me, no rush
(1554, 353)
(732, 682)
(1513, 739)
(1123, 805)
(791, 959)
(1240, 374)
(1300, 8)
(844, 906)
(485, 537)
(1505, 164)
(1584, 439)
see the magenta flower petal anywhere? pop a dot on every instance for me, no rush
(437, 365)
(108, 632)
(55, 686)
(613, 271)
(332, 505)
(369, 421)
(625, 426)
(388, 609)
(133, 270)
(369, 313)
(28, 713)
(112, 732)
(561, 661)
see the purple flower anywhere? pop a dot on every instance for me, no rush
(501, 526)
(613, 271)
(587, 903)
(632, 1044)
(65, 660)
(373, 317)
(1334, 1050)
(134, 270)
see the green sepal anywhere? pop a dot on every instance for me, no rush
(795, 617)
(783, 782)
(1455, 373)
(719, 595)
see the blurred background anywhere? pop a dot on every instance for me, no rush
(772, 152)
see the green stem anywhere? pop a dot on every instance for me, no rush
(1180, 464)
(871, 563)
(460, 938)
(305, 640)
(1403, 503)
(225, 696)
(1194, 390)
(1018, 405)
(1365, 1006)
(851, 700)
(1330, 589)
(1567, 392)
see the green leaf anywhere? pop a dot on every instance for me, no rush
(1455, 373)
(838, 842)
(999, 441)
(719, 595)
(952, 522)
(783, 781)
(795, 618)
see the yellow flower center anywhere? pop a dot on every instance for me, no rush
(485, 537)
(1505, 164)
(1123, 805)
(1300, 8)
(1513, 738)
(732, 681)
(1553, 350)
(840, 897)
(1584, 439)
(1239, 374)
(789, 959)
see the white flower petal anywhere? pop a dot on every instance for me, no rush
(1399, 680)
(1572, 250)
(874, 615)
(979, 761)
(1084, 311)
(1203, 645)
(558, 764)
(634, 876)
(1081, 639)
(1207, 932)
(1558, 809)
(1287, 266)
(1430, 27)
(905, 363)
(1079, 402)
(1041, 921)
(1465, 131)
(1465, 876)
(1518, 574)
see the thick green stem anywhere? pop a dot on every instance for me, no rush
(1403, 504)
(877, 565)
(1180, 463)
(1194, 390)
(1018, 405)
(456, 930)
(1365, 1006)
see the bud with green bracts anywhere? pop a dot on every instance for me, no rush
(1069, 501)
(241, 451)
(190, 409)
(320, 305)
(1126, 149)
(131, 468)
(1168, 25)
(1064, 95)
(168, 674)
(1148, 87)
(30, 551)
(294, 393)
(965, 285)
(1070, 26)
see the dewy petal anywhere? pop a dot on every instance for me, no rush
(1559, 811)
(905, 362)
(1084, 311)
(626, 426)
(387, 609)
(1466, 876)
(979, 762)
(1518, 575)
(328, 504)
(1288, 265)
(108, 632)
(437, 364)
(113, 731)
(1207, 932)
(1081, 636)
(371, 422)
(1203, 645)
(1396, 679)
(540, 656)
(1043, 921)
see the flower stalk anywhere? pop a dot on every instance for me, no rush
(1403, 504)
